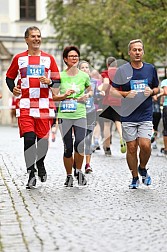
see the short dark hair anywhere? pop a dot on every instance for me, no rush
(67, 49)
(31, 28)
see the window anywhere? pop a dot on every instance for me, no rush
(27, 9)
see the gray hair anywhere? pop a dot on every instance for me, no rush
(111, 61)
(81, 62)
(133, 42)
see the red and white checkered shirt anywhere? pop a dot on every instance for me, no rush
(36, 98)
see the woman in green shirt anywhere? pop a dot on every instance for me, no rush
(72, 113)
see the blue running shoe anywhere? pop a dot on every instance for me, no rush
(146, 179)
(135, 183)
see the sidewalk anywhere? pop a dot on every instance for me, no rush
(103, 216)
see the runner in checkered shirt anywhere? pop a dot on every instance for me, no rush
(35, 72)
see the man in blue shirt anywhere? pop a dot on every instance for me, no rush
(136, 82)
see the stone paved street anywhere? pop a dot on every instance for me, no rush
(105, 216)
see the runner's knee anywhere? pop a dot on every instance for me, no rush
(68, 153)
(29, 139)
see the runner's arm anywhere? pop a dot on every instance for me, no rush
(10, 83)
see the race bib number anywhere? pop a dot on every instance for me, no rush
(68, 106)
(35, 71)
(89, 102)
(138, 85)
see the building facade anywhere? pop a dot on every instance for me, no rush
(16, 16)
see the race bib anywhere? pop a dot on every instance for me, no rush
(68, 106)
(35, 71)
(89, 102)
(138, 85)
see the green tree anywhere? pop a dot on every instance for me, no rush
(152, 27)
(103, 28)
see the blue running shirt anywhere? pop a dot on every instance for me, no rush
(139, 108)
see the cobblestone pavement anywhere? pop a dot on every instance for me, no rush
(103, 216)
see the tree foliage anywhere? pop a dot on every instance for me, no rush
(104, 28)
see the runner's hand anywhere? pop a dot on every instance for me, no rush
(17, 91)
(131, 94)
(148, 91)
(69, 92)
(44, 80)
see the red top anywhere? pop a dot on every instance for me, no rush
(36, 98)
(108, 99)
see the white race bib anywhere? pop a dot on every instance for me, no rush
(68, 105)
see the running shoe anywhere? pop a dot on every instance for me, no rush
(107, 151)
(154, 145)
(69, 181)
(95, 147)
(96, 144)
(163, 151)
(135, 183)
(31, 180)
(81, 178)
(146, 179)
(98, 147)
(123, 145)
(42, 175)
(88, 169)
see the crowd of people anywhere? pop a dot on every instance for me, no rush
(85, 105)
